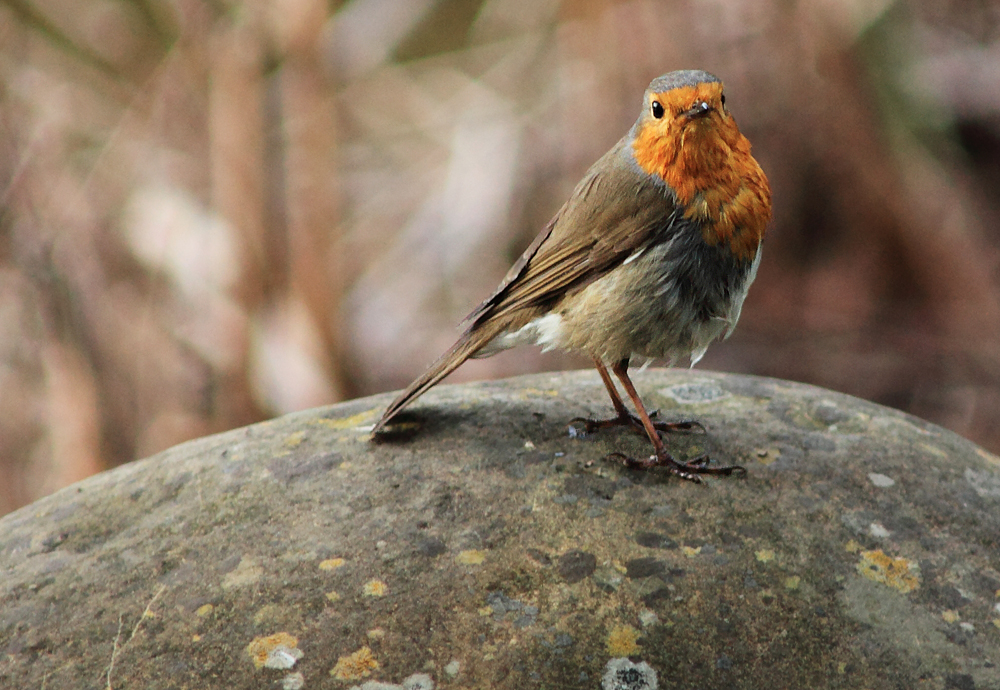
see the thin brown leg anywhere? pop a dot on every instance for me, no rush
(625, 418)
(662, 458)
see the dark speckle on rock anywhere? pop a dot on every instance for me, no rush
(959, 681)
(431, 546)
(654, 540)
(575, 565)
(53, 541)
(539, 557)
(291, 468)
(644, 567)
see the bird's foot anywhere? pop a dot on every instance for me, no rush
(629, 419)
(685, 470)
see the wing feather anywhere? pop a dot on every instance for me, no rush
(612, 214)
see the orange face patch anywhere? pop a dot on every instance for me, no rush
(697, 149)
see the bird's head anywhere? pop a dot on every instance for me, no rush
(686, 137)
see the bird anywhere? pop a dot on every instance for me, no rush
(650, 257)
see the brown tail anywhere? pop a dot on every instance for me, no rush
(467, 345)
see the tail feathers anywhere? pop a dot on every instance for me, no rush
(466, 346)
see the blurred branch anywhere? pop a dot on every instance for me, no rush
(157, 21)
(34, 19)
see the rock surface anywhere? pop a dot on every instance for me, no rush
(487, 548)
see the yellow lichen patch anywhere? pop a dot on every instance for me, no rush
(765, 555)
(471, 557)
(950, 616)
(375, 588)
(355, 666)
(333, 596)
(293, 440)
(331, 564)
(934, 450)
(898, 573)
(691, 551)
(376, 634)
(196, 638)
(852, 546)
(988, 456)
(204, 610)
(279, 650)
(538, 392)
(347, 422)
(622, 641)
(996, 622)
(793, 582)
(485, 610)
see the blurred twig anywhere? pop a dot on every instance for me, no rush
(37, 21)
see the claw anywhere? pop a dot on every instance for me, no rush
(685, 470)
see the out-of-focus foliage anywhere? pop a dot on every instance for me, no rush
(214, 211)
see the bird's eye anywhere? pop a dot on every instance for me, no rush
(723, 99)
(657, 109)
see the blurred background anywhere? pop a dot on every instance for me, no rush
(215, 211)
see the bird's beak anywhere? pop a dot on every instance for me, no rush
(699, 109)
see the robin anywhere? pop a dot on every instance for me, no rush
(651, 256)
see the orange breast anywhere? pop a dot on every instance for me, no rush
(707, 163)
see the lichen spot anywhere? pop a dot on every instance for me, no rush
(204, 610)
(355, 666)
(765, 555)
(898, 573)
(623, 674)
(471, 557)
(331, 564)
(375, 588)
(348, 422)
(279, 650)
(293, 440)
(623, 641)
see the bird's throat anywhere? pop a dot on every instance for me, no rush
(717, 182)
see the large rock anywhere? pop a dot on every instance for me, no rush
(490, 549)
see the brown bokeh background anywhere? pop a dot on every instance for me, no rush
(214, 211)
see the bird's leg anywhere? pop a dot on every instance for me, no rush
(625, 418)
(662, 458)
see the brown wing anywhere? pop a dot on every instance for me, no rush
(614, 211)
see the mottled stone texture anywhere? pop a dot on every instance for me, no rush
(487, 548)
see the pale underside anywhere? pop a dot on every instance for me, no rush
(631, 312)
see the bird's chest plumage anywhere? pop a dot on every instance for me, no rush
(668, 300)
